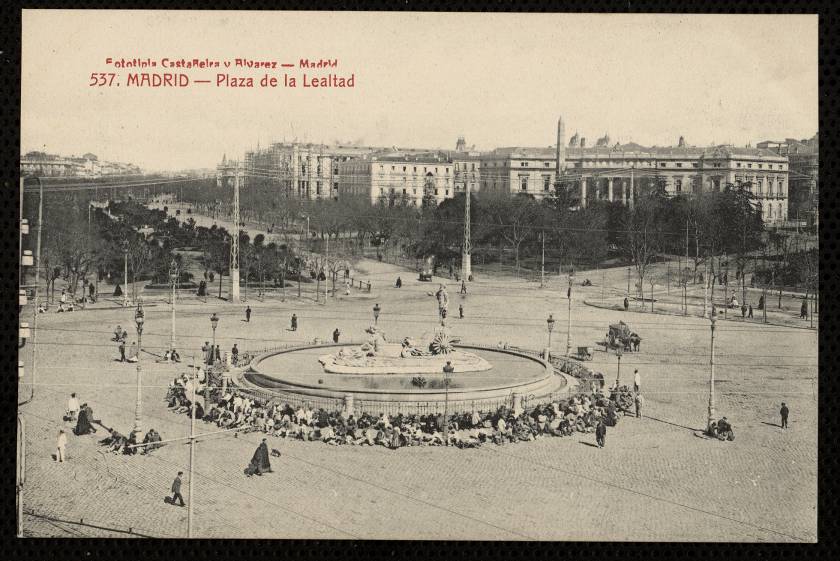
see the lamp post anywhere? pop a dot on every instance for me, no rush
(138, 406)
(173, 277)
(214, 323)
(711, 418)
(376, 310)
(448, 369)
(569, 329)
(550, 322)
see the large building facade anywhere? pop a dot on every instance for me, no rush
(40, 164)
(803, 193)
(394, 177)
(619, 172)
(305, 171)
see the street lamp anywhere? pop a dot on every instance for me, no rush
(376, 310)
(138, 407)
(173, 277)
(569, 329)
(448, 369)
(214, 323)
(712, 376)
(550, 322)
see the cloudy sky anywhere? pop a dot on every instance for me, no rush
(422, 79)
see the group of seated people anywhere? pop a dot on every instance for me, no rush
(464, 430)
(120, 444)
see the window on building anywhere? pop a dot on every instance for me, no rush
(547, 164)
(760, 166)
(679, 164)
(456, 167)
(662, 164)
(738, 164)
(473, 167)
(404, 168)
(695, 165)
(523, 181)
(749, 166)
(317, 187)
(760, 187)
(678, 185)
(404, 191)
(546, 182)
(524, 164)
(436, 192)
(447, 192)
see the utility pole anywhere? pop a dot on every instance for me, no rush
(711, 418)
(234, 243)
(125, 273)
(569, 327)
(192, 450)
(173, 276)
(38, 232)
(466, 256)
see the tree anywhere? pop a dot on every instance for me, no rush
(643, 234)
(513, 216)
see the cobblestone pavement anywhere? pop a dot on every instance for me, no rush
(654, 480)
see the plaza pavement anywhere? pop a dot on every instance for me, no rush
(654, 480)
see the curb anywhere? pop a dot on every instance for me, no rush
(770, 323)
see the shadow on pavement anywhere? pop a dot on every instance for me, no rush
(670, 423)
(588, 443)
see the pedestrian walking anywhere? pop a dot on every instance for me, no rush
(784, 413)
(73, 407)
(749, 311)
(234, 353)
(463, 287)
(122, 351)
(248, 314)
(803, 311)
(207, 349)
(743, 310)
(461, 311)
(601, 433)
(176, 489)
(218, 353)
(336, 333)
(294, 322)
(398, 284)
(626, 304)
(60, 446)
(637, 381)
(639, 402)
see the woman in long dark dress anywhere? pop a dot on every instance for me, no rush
(259, 462)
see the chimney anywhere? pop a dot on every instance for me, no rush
(583, 142)
(561, 147)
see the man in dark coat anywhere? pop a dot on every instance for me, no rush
(85, 423)
(176, 489)
(122, 351)
(784, 413)
(259, 462)
(248, 314)
(600, 433)
(294, 322)
(626, 304)
(336, 334)
(803, 312)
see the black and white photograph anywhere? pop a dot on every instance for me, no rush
(418, 276)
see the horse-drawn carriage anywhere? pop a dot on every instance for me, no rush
(620, 335)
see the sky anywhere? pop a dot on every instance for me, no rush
(421, 80)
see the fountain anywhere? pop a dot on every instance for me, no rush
(404, 375)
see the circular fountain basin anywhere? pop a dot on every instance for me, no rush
(502, 372)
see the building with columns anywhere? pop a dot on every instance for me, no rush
(398, 176)
(621, 171)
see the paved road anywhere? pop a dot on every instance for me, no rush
(654, 480)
